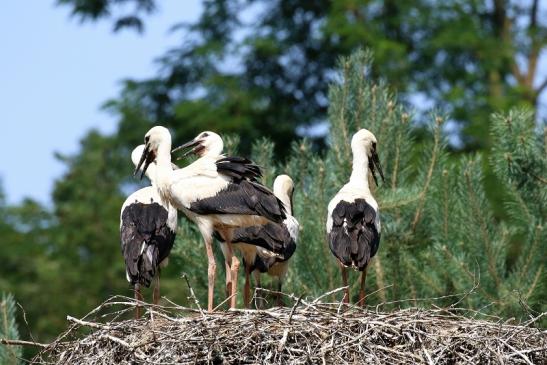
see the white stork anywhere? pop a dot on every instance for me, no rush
(148, 225)
(353, 221)
(217, 193)
(267, 248)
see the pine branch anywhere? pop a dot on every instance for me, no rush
(380, 282)
(434, 156)
(534, 282)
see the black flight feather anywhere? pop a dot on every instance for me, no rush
(353, 238)
(238, 168)
(243, 197)
(145, 223)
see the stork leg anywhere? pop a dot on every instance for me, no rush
(259, 302)
(247, 289)
(278, 294)
(235, 268)
(345, 283)
(156, 293)
(210, 273)
(228, 255)
(362, 289)
(227, 262)
(138, 298)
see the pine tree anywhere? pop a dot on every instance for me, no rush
(9, 355)
(440, 237)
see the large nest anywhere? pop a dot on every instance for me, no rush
(308, 332)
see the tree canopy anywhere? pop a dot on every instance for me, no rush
(260, 67)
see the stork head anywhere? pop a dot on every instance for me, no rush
(365, 141)
(283, 188)
(154, 139)
(206, 143)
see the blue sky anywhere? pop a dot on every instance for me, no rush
(55, 73)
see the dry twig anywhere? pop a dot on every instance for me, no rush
(308, 332)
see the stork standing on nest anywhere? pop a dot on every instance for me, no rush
(217, 193)
(148, 225)
(353, 221)
(255, 243)
(266, 248)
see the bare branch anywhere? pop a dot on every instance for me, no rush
(7, 342)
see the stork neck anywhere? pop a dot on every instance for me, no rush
(163, 169)
(359, 174)
(286, 202)
(214, 150)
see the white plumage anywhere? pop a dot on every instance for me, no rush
(353, 220)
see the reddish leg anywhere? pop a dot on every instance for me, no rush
(228, 258)
(228, 270)
(362, 289)
(210, 273)
(345, 283)
(235, 268)
(247, 289)
(156, 293)
(279, 299)
(259, 301)
(138, 298)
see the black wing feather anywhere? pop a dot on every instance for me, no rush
(244, 197)
(353, 238)
(145, 223)
(273, 237)
(238, 168)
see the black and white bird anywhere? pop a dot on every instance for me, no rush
(268, 248)
(353, 221)
(217, 193)
(148, 226)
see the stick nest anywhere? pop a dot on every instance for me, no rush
(306, 333)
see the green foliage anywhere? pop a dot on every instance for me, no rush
(270, 74)
(9, 355)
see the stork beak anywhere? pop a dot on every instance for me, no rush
(143, 157)
(147, 158)
(195, 143)
(374, 164)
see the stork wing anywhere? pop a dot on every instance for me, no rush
(273, 237)
(354, 239)
(146, 240)
(245, 197)
(238, 168)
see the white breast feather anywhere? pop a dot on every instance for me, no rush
(292, 226)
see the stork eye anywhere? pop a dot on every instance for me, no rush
(205, 134)
(146, 139)
(374, 146)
